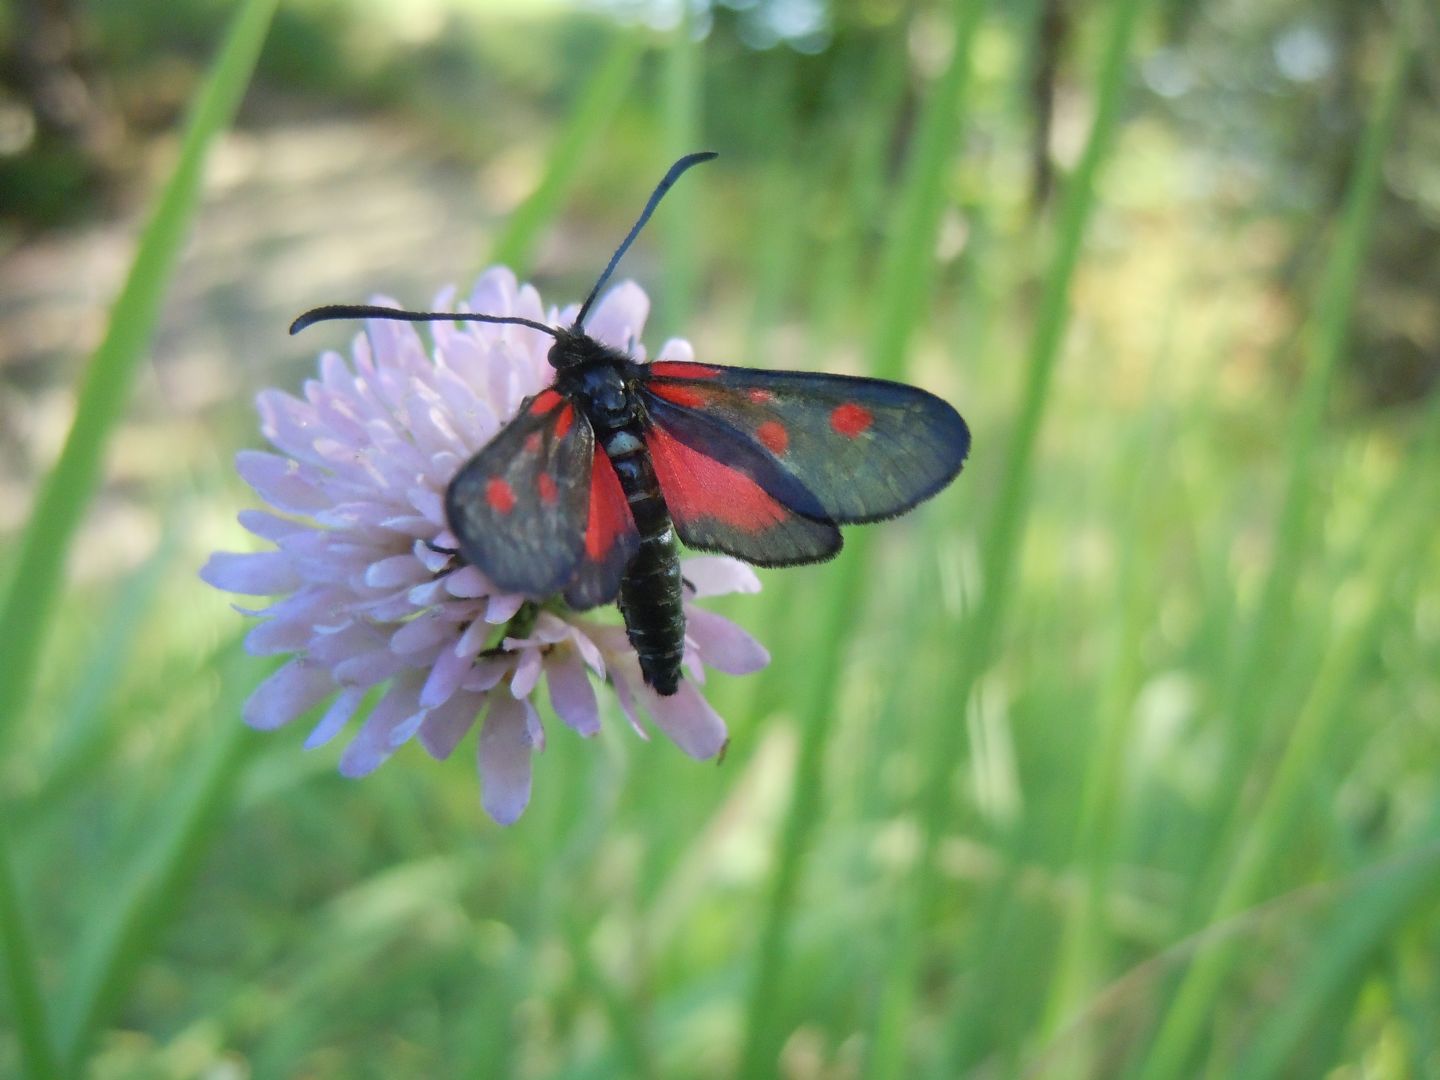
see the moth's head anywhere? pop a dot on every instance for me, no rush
(574, 348)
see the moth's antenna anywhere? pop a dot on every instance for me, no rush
(370, 311)
(665, 185)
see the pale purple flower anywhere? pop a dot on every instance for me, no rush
(356, 503)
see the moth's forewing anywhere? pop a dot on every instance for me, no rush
(519, 507)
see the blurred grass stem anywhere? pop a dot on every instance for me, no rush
(105, 389)
(907, 282)
(596, 104)
(1000, 549)
(1263, 834)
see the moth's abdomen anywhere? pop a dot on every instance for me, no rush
(651, 590)
(651, 602)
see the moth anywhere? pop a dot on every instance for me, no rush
(585, 492)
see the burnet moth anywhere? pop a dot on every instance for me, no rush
(584, 492)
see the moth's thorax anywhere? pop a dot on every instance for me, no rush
(596, 376)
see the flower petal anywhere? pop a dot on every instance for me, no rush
(445, 725)
(619, 317)
(571, 694)
(422, 634)
(299, 685)
(284, 484)
(396, 572)
(267, 526)
(335, 718)
(688, 719)
(627, 699)
(502, 608)
(371, 746)
(677, 350)
(527, 672)
(503, 758)
(723, 645)
(467, 583)
(263, 573)
(446, 675)
(717, 575)
(275, 636)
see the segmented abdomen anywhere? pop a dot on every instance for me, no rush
(651, 590)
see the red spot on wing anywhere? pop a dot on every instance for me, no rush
(690, 396)
(758, 396)
(548, 491)
(609, 512)
(545, 401)
(532, 442)
(499, 495)
(850, 419)
(696, 486)
(564, 422)
(773, 434)
(680, 369)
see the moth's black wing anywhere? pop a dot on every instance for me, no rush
(833, 448)
(518, 508)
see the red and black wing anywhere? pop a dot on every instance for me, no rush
(519, 507)
(725, 494)
(610, 540)
(828, 449)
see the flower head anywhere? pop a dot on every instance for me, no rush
(370, 594)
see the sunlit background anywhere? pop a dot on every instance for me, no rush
(1119, 758)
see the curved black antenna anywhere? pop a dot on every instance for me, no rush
(665, 185)
(371, 311)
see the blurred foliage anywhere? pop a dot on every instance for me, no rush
(1180, 618)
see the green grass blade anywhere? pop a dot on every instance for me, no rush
(1364, 925)
(1145, 472)
(1185, 1020)
(105, 391)
(1324, 341)
(85, 727)
(681, 80)
(598, 100)
(117, 943)
(1000, 546)
(27, 1003)
(910, 264)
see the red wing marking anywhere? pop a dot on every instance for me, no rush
(758, 396)
(545, 401)
(680, 369)
(696, 486)
(689, 396)
(567, 418)
(499, 495)
(548, 491)
(850, 419)
(532, 442)
(773, 434)
(609, 512)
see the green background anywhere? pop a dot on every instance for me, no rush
(1119, 758)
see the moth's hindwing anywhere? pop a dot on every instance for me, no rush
(519, 507)
(725, 494)
(861, 449)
